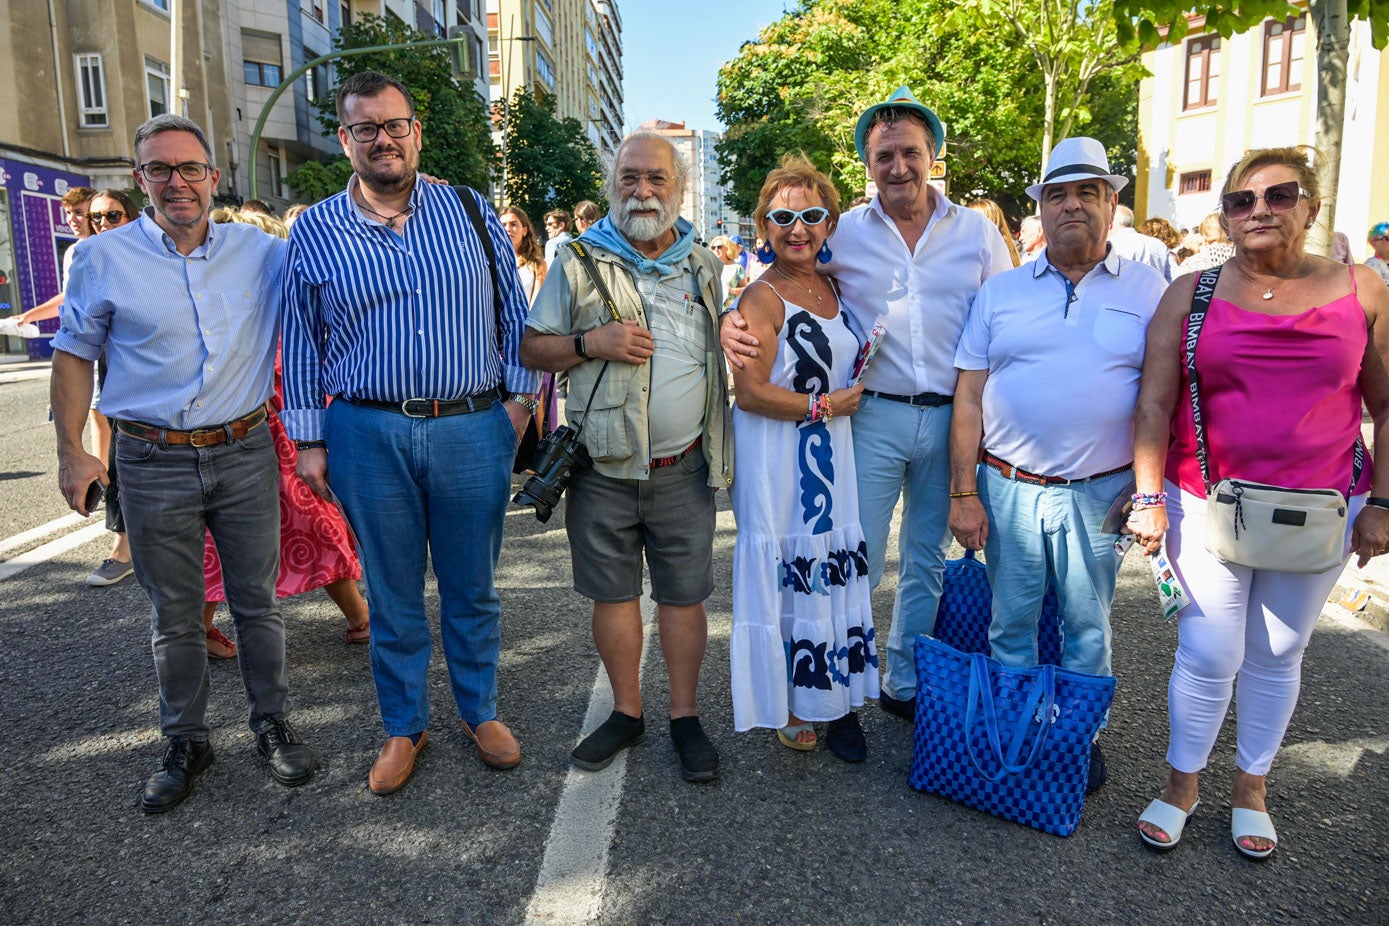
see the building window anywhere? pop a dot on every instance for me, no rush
(91, 91)
(157, 86)
(315, 78)
(1196, 181)
(161, 5)
(1283, 48)
(277, 176)
(346, 15)
(316, 10)
(260, 58)
(545, 69)
(544, 28)
(1202, 71)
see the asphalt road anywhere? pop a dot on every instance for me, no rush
(781, 837)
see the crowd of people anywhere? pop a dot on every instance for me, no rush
(904, 349)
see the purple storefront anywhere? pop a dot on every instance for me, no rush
(33, 238)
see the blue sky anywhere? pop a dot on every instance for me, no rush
(671, 53)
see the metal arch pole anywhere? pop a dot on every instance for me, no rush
(300, 72)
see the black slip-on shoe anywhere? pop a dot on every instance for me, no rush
(601, 747)
(699, 760)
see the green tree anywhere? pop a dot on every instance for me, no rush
(1331, 19)
(550, 162)
(803, 83)
(457, 127)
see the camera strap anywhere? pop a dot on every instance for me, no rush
(592, 270)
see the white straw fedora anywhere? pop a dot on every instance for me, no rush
(1077, 158)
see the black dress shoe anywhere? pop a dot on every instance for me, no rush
(1099, 774)
(291, 762)
(904, 708)
(166, 788)
(845, 738)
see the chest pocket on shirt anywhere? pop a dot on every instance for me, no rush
(1121, 333)
(228, 314)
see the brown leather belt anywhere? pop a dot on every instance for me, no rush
(1009, 471)
(658, 462)
(199, 437)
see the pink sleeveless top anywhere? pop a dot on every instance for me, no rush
(1280, 396)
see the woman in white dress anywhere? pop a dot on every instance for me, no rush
(802, 647)
(531, 267)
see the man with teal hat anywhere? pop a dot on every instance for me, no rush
(911, 260)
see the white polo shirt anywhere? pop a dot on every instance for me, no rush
(1063, 367)
(924, 293)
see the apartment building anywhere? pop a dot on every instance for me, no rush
(706, 199)
(1210, 99)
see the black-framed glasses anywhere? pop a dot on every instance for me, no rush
(192, 171)
(367, 131)
(113, 216)
(1279, 197)
(785, 218)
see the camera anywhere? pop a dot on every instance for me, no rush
(556, 459)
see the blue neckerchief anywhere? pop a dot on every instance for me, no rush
(605, 234)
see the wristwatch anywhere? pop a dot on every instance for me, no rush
(579, 346)
(309, 444)
(529, 401)
(1377, 502)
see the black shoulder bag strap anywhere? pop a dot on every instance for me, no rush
(591, 269)
(1200, 307)
(468, 198)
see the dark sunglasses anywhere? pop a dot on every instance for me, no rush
(1280, 197)
(115, 215)
(787, 217)
(1381, 238)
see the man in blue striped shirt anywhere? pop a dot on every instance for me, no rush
(187, 312)
(389, 308)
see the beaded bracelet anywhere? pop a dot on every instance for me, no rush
(1149, 499)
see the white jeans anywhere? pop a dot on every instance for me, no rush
(1250, 623)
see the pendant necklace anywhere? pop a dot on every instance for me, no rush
(390, 220)
(788, 276)
(1268, 290)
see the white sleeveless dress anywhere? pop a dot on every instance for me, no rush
(803, 638)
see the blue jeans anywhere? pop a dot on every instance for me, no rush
(173, 496)
(1042, 533)
(414, 489)
(904, 450)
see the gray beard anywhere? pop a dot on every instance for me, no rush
(641, 228)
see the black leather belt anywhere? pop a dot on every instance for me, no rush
(926, 399)
(437, 408)
(1009, 471)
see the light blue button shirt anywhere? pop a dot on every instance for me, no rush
(190, 340)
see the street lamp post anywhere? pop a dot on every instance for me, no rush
(304, 69)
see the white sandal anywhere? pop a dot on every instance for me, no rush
(1169, 818)
(1245, 823)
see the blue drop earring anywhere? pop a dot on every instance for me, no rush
(824, 254)
(765, 252)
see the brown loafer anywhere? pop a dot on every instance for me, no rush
(395, 764)
(495, 744)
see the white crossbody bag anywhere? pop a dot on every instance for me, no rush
(1257, 525)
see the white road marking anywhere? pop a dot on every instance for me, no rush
(22, 376)
(23, 561)
(25, 538)
(569, 888)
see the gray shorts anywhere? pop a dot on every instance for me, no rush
(670, 516)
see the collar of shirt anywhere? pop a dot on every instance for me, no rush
(1043, 263)
(942, 206)
(158, 237)
(366, 218)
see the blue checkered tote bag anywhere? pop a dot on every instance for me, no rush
(1011, 742)
(963, 617)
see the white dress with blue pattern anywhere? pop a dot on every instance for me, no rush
(802, 614)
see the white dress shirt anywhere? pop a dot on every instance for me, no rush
(921, 295)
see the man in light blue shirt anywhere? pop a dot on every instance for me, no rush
(389, 307)
(187, 313)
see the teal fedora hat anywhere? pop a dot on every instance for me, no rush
(901, 99)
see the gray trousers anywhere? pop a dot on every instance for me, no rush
(171, 496)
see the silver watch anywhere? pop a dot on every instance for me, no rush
(530, 402)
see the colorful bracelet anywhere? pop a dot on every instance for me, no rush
(1149, 499)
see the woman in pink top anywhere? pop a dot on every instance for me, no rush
(1292, 344)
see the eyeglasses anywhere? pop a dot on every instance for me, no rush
(717, 247)
(114, 216)
(192, 171)
(787, 217)
(1280, 197)
(367, 131)
(1381, 238)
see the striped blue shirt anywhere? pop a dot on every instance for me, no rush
(384, 316)
(190, 341)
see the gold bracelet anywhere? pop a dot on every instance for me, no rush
(963, 494)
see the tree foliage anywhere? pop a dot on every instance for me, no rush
(550, 162)
(1153, 22)
(802, 84)
(457, 129)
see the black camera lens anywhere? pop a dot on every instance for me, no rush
(559, 454)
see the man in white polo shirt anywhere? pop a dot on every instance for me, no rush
(1049, 366)
(913, 260)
